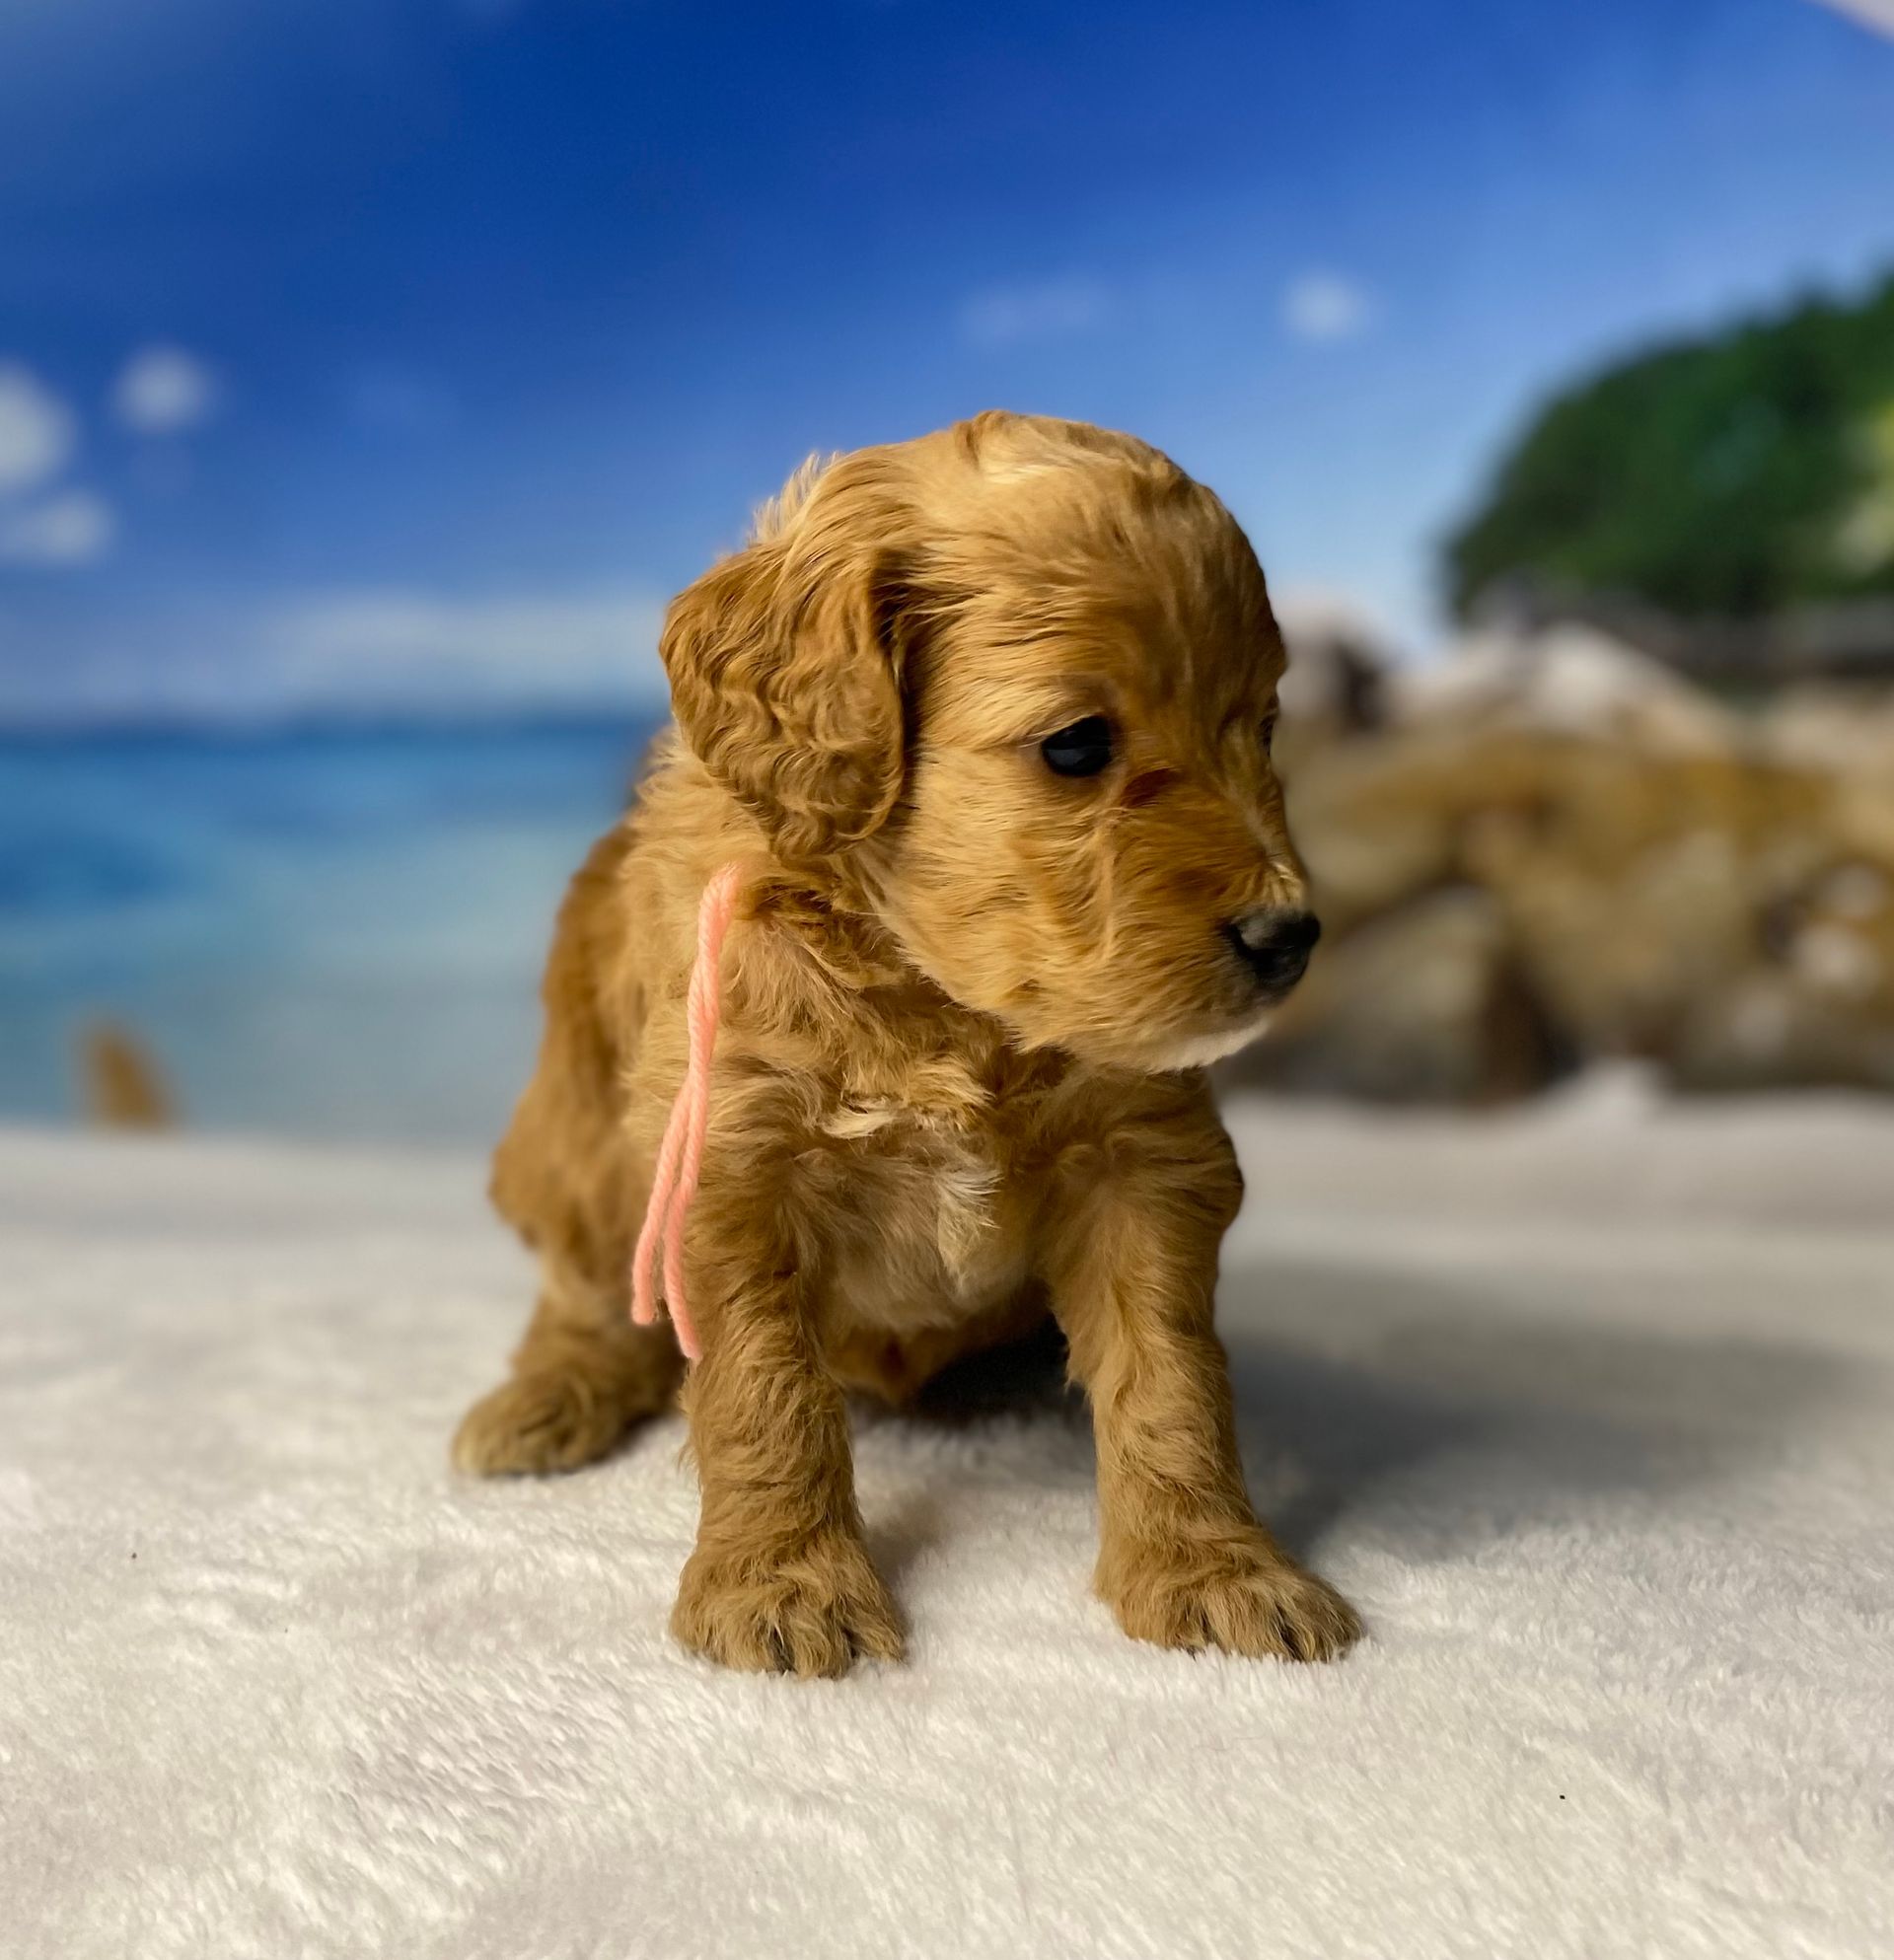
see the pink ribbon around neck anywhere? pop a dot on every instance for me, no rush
(673, 1183)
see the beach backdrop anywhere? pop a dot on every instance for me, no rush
(327, 931)
(373, 371)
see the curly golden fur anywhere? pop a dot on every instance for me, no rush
(968, 999)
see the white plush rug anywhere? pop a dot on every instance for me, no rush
(1591, 1412)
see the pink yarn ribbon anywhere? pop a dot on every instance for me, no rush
(673, 1183)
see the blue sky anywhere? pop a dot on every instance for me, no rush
(388, 351)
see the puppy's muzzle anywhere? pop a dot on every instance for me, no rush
(1275, 944)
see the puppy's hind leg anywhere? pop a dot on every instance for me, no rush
(582, 1377)
(563, 1179)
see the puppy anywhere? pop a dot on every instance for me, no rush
(984, 718)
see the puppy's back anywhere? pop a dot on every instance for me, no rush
(558, 1172)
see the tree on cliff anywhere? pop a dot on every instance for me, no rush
(1731, 476)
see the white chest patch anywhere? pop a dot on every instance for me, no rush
(965, 1212)
(853, 1120)
(927, 1215)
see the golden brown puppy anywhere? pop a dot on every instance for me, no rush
(985, 719)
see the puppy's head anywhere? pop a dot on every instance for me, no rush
(1021, 675)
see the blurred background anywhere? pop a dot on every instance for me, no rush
(370, 371)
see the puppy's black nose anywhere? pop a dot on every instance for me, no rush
(1275, 944)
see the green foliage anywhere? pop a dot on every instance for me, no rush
(1726, 477)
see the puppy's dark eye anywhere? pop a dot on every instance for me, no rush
(1081, 749)
(1267, 731)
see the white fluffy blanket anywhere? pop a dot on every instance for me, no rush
(1591, 1412)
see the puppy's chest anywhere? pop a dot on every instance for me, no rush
(934, 1202)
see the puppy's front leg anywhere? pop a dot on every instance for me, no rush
(1183, 1560)
(781, 1578)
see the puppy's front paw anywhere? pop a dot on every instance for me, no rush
(1238, 1592)
(548, 1421)
(809, 1609)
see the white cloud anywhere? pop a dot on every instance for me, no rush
(1870, 12)
(1325, 306)
(164, 391)
(357, 652)
(71, 528)
(1050, 309)
(38, 433)
(417, 649)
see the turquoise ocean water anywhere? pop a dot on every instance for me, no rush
(326, 932)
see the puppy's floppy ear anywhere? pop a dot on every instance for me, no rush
(785, 662)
